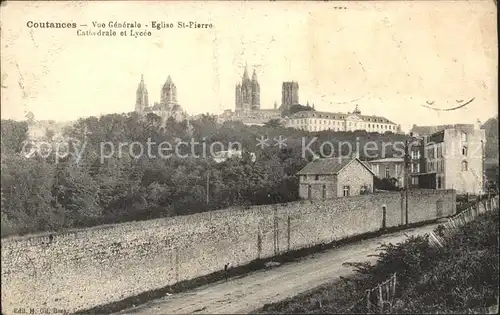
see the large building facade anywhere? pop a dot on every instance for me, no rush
(319, 121)
(168, 106)
(247, 93)
(455, 159)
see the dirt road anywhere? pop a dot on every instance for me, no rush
(247, 293)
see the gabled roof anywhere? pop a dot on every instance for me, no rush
(329, 166)
(388, 160)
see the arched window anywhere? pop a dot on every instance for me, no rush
(465, 166)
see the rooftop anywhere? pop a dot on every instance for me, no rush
(329, 115)
(328, 166)
(388, 160)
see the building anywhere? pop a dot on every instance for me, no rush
(455, 160)
(222, 156)
(168, 106)
(247, 104)
(390, 168)
(247, 92)
(289, 95)
(335, 177)
(319, 121)
(421, 131)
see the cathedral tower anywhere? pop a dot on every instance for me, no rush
(289, 95)
(255, 92)
(141, 101)
(247, 93)
(168, 93)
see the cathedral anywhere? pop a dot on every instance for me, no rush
(248, 93)
(168, 106)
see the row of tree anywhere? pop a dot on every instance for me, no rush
(88, 186)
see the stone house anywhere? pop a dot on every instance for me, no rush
(335, 177)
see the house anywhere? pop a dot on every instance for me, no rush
(389, 168)
(335, 177)
(222, 156)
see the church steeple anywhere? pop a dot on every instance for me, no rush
(141, 100)
(254, 76)
(245, 74)
(356, 110)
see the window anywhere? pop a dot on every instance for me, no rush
(464, 137)
(439, 182)
(309, 192)
(324, 191)
(316, 177)
(346, 191)
(387, 172)
(375, 169)
(363, 190)
(465, 166)
(464, 151)
(397, 169)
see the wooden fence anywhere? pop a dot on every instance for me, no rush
(379, 298)
(450, 228)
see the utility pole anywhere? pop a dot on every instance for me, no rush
(208, 181)
(407, 175)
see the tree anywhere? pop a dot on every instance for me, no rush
(273, 123)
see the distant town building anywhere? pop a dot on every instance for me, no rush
(289, 95)
(168, 106)
(222, 156)
(319, 121)
(455, 159)
(428, 130)
(335, 177)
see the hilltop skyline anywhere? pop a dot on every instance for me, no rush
(389, 58)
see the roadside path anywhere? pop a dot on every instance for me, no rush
(249, 292)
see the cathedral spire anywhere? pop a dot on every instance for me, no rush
(254, 75)
(141, 84)
(245, 73)
(169, 81)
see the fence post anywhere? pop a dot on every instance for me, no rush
(367, 301)
(384, 213)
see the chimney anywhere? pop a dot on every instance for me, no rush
(356, 154)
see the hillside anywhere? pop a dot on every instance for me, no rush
(106, 179)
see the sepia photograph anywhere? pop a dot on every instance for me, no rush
(249, 157)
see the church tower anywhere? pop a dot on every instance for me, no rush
(247, 93)
(168, 94)
(141, 101)
(255, 92)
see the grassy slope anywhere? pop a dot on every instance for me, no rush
(461, 277)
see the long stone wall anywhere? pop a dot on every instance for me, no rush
(84, 268)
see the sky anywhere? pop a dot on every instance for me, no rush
(390, 58)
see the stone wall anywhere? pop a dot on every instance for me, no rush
(84, 268)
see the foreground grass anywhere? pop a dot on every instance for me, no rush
(461, 277)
